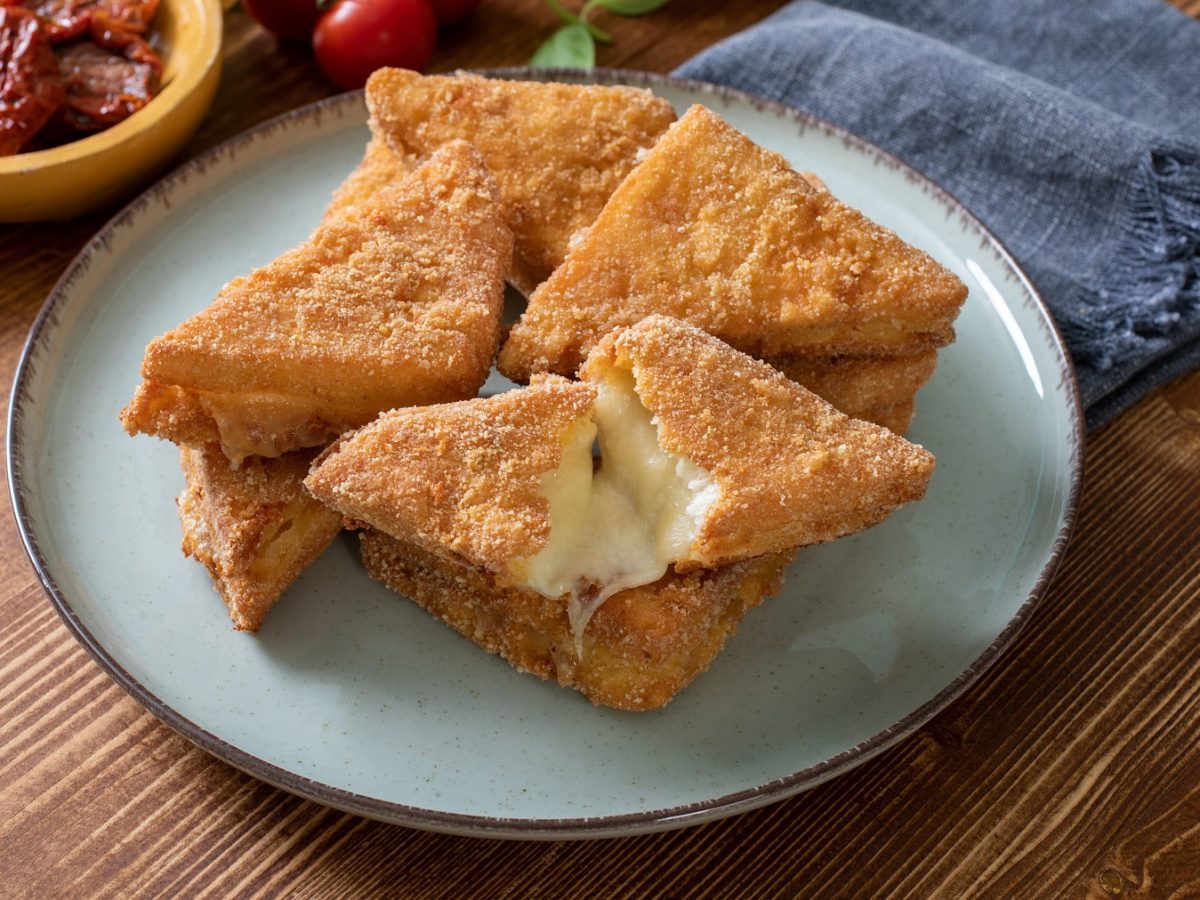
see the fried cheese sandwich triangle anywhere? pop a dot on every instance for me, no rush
(643, 646)
(380, 168)
(460, 479)
(396, 301)
(255, 528)
(176, 413)
(713, 229)
(789, 469)
(557, 151)
(879, 389)
(707, 457)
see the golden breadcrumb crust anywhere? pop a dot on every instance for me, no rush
(641, 647)
(815, 181)
(392, 303)
(713, 229)
(464, 477)
(254, 528)
(864, 387)
(895, 417)
(177, 414)
(557, 150)
(380, 168)
(791, 469)
(170, 412)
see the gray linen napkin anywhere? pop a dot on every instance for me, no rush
(1072, 130)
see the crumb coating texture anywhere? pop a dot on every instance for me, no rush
(879, 389)
(791, 469)
(254, 528)
(380, 168)
(558, 151)
(641, 647)
(713, 229)
(394, 302)
(460, 478)
(170, 412)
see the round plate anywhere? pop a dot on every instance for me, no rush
(355, 697)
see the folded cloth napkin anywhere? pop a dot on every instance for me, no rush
(1071, 130)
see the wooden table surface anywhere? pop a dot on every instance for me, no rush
(1071, 769)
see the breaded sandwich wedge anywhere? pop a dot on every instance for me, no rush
(379, 169)
(716, 230)
(462, 479)
(784, 468)
(706, 457)
(557, 151)
(255, 528)
(395, 302)
(643, 646)
(879, 389)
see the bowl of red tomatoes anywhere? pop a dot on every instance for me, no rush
(97, 96)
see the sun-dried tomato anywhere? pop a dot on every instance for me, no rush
(62, 20)
(128, 15)
(111, 34)
(68, 20)
(108, 80)
(31, 88)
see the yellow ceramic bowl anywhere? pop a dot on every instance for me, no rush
(99, 169)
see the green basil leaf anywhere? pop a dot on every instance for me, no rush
(570, 47)
(568, 17)
(631, 7)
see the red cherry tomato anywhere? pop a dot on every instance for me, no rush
(292, 20)
(356, 37)
(451, 12)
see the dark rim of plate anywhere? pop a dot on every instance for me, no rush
(500, 827)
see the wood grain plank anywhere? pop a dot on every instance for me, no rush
(1158, 857)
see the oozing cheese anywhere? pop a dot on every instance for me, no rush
(618, 525)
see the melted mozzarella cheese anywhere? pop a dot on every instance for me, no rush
(619, 525)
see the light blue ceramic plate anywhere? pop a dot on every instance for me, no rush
(357, 698)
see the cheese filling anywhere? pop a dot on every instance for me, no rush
(617, 525)
(265, 423)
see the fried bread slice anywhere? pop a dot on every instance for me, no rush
(395, 302)
(790, 469)
(707, 457)
(462, 478)
(715, 230)
(557, 151)
(172, 413)
(644, 645)
(878, 389)
(895, 417)
(380, 168)
(255, 528)
(176, 414)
